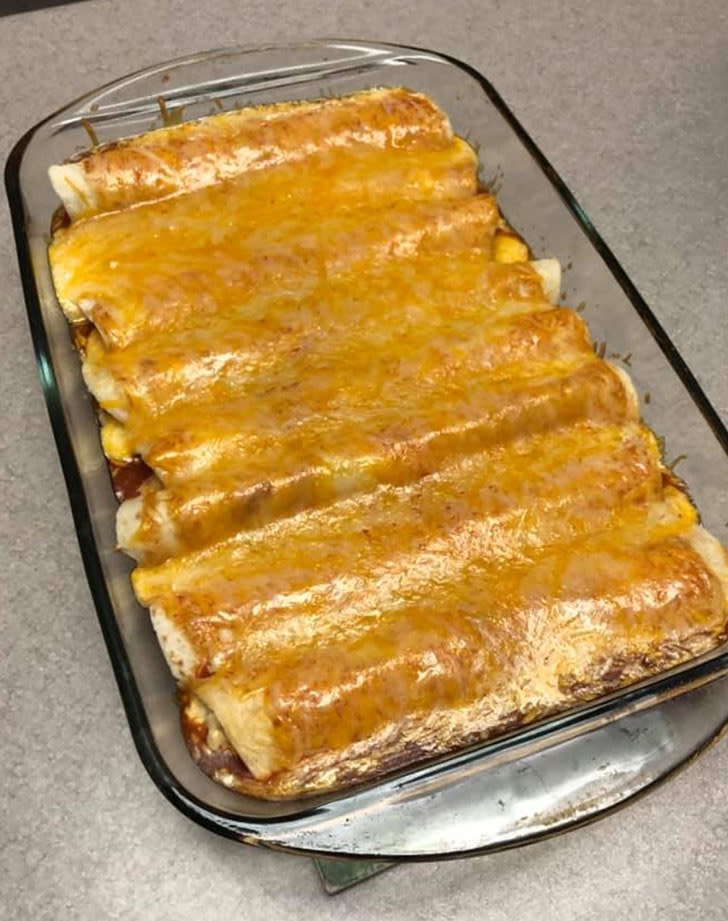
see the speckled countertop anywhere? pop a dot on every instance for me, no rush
(630, 102)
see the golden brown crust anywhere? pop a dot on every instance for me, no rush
(391, 503)
(620, 615)
(261, 258)
(196, 154)
(392, 749)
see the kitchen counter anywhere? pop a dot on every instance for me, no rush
(630, 103)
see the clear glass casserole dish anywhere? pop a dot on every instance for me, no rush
(451, 806)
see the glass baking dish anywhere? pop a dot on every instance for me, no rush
(448, 807)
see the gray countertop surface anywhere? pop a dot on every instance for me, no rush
(630, 103)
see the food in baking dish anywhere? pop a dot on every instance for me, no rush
(388, 500)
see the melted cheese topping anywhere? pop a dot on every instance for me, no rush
(398, 502)
(495, 503)
(392, 309)
(203, 153)
(145, 270)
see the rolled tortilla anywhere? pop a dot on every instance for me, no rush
(427, 298)
(283, 584)
(524, 345)
(393, 438)
(102, 268)
(517, 644)
(198, 154)
(549, 271)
